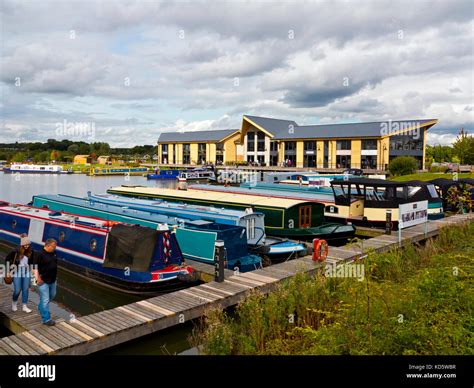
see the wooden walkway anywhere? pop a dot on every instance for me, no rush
(108, 328)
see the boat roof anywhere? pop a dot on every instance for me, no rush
(466, 180)
(368, 182)
(442, 182)
(261, 191)
(209, 196)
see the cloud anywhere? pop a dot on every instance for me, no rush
(138, 68)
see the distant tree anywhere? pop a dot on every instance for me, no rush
(19, 157)
(41, 157)
(73, 149)
(440, 153)
(464, 147)
(403, 165)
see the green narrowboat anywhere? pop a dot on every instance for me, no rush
(289, 218)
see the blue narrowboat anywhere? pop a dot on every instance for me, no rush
(128, 258)
(196, 238)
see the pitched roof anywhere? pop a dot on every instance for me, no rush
(286, 129)
(195, 136)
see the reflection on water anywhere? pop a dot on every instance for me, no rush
(76, 295)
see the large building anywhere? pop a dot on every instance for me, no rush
(275, 142)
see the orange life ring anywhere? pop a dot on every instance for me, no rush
(320, 249)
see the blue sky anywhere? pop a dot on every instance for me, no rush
(136, 69)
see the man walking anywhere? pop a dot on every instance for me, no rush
(45, 273)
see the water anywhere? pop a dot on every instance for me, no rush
(76, 295)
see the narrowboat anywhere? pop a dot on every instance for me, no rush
(273, 190)
(164, 174)
(129, 258)
(253, 222)
(104, 171)
(35, 169)
(365, 201)
(443, 185)
(197, 174)
(196, 238)
(294, 219)
(313, 179)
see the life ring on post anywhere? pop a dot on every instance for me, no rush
(320, 249)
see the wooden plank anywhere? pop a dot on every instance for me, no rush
(7, 348)
(27, 345)
(40, 344)
(13, 345)
(124, 321)
(44, 336)
(86, 328)
(3, 352)
(110, 318)
(129, 311)
(200, 297)
(247, 283)
(258, 276)
(62, 338)
(233, 288)
(76, 331)
(206, 294)
(100, 323)
(214, 289)
(169, 304)
(139, 309)
(158, 309)
(189, 301)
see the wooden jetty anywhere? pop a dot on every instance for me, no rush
(91, 333)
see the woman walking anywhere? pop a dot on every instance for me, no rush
(21, 257)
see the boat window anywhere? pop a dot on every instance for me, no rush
(93, 244)
(42, 168)
(14, 223)
(433, 192)
(412, 190)
(62, 236)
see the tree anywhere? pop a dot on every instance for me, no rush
(464, 147)
(403, 165)
(19, 157)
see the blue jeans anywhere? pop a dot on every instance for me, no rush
(21, 283)
(47, 293)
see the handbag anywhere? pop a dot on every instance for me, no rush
(8, 279)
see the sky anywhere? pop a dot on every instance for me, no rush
(125, 71)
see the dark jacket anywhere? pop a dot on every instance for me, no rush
(47, 265)
(14, 255)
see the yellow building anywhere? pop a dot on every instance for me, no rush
(199, 147)
(82, 159)
(275, 142)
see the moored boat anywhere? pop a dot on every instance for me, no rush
(125, 257)
(197, 174)
(253, 222)
(366, 201)
(35, 169)
(164, 174)
(104, 171)
(294, 219)
(196, 238)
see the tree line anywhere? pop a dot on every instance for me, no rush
(65, 150)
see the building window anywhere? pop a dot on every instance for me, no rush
(186, 153)
(273, 160)
(260, 141)
(343, 161)
(290, 145)
(201, 153)
(250, 158)
(309, 160)
(250, 141)
(273, 146)
(310, 145)
(370, 144)
(164, 153)
(326, 154)
(174, 153)
(368, 161)
(343, 145)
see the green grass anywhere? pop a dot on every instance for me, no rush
(426, 176)
(415, 301)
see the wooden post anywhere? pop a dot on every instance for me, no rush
(388, 222)
(219, 261)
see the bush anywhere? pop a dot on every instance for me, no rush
(403, 165)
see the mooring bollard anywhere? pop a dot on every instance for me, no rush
(219, 261)
(388, 222)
